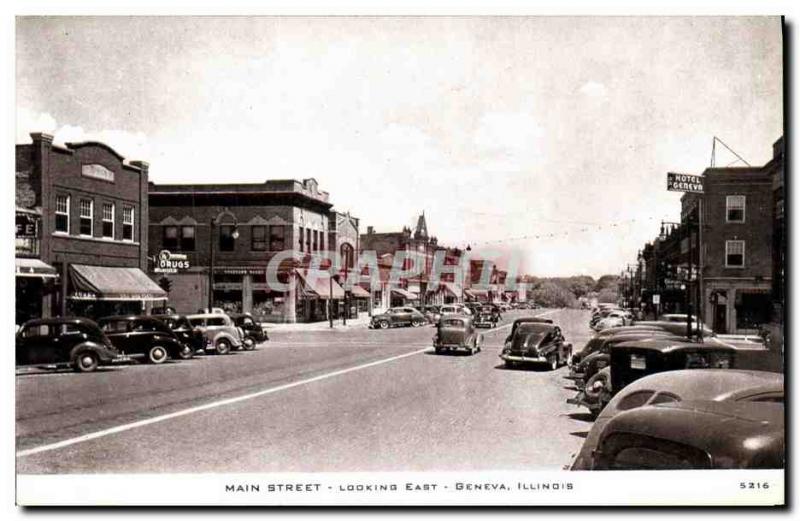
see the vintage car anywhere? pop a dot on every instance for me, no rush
(432, 313)
(635, 359)
(77, 343)
(594, 343)
(677, 328)
(456, 333)
(486, 316)
(220, 332)
(144, 336)
(682, 386)
(254, 332)
(400, 316)
(536, 342)
(185, 332)
(525, 320)
(596, 360)
(458, 309)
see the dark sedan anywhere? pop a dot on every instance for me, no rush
(139, 335)
(65, 342)
(185, 332)
(535, 342)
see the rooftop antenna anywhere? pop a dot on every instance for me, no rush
(714, 152)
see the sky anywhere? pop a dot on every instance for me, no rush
(549, 137)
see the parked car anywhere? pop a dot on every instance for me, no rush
(137, 335)
(254, 332)
(486, 316)
(220, 332)
(459, 309)
(455, 333)
(678, 328)
(77, 343)
(185, 331)
(681, 386)
(636, 359)
(536, 342)
(400, 316)
(594, 343)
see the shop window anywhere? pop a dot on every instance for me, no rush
(734, 254)
(735, 206)
(187, 238)
(108, 220)
(276, 238)
(226, 237)
(170, 241)
(62, 213)
(127, 223)
(86, 216)
(258, 238)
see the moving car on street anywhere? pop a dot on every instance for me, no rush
(254, 333)
(221, 334)
(456, 333)
(458, 309)
(690, 419)
(400, 316)
(636, 359)
(537, 343)
(147, 336)
(77, 343)
(486, 316)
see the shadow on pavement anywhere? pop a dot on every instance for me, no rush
(580, 434)
(582, 416)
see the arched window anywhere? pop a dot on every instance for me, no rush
(347, 253)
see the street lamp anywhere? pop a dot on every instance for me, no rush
(234, 235)
(464, 275)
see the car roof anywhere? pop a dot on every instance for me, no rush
(627, 329)
(60, 320)
(709, 384)
(536, 326)
(532, 320)
(666, 345)
(129, 317)
(207, 315)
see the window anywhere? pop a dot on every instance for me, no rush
(86, 213)
(62, 213)
(127, 223)
(735, 204)
(276, 238)
(216, 321)
(170, 237)
(321, 240)
(258, 238)
(634, 400)
(187, 238)
(108, 220)
(308, 239)
(301, 238)
(316, 240)
(116, 326)
(734, 254)
(226, 237)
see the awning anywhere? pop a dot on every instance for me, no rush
(405, 294)
(477, 294)
(106, 283)
(318, 284)
(359, 292)
(449, 287)
(34, 268)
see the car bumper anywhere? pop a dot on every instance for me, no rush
(481, 323)
(522, 358)
(124, 358)
(452, 347)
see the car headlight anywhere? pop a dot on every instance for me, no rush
(597, 386)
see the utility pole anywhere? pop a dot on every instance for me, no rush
(689, 277)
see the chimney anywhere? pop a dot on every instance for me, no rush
(41, 137)
(370, 230)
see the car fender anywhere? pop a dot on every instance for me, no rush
(229, 337)
(90, 345)
(168, 341)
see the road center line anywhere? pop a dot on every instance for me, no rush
(207, 406)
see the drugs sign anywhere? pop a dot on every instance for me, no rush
(167, 262)
(684, 183)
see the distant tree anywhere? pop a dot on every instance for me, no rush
(606, 281)
(608, 295)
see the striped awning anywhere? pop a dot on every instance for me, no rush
(408, 295)
(108, 283)
(318, 284)
(359, 292)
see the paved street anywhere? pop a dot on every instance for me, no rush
(343, 400)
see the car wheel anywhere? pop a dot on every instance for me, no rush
(416, 323)
(249, 343)
(223, 347)
(185, 352)
(86, 362)
(157, 355)
(383, 324)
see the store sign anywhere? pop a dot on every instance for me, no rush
(167, 262)
(26, 226)
(684, 183)
(656, 299)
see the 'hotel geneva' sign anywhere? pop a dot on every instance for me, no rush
(684, 183)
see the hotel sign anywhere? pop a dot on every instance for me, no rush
(684, 183)
(167, 262)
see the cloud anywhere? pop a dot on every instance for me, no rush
(593, 89)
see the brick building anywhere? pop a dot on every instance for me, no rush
(80, 246)
(240, 229)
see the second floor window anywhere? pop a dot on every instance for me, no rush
(127, 223)
(86, 214)
(300, 243)
(62, 213)
(735, 206)
(187, 238)
(316, 241)
(170, 238)
(734, 254)
(226, 241)
(258, 238)
(276, 238)
(108, 220)
(308, 240)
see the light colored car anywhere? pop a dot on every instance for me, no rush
(457, 309)
(220, 332)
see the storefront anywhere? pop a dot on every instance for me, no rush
(403, 297)
(318, 295)
(96, 291)
(35, 281)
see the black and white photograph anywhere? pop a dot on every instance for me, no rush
(399, 260)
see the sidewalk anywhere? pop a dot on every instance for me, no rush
(355, 323)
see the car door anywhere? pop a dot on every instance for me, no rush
(34, 345)
(140, 335)
(117, 332)
(67, 337)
